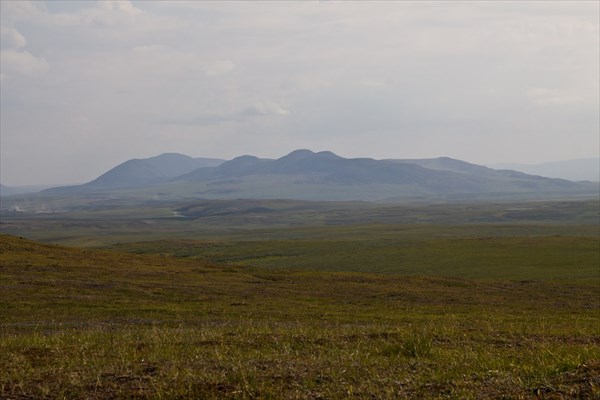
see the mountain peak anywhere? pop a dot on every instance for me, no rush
(153, 170)
(240, 163)
(243, 159)
(302, 154)
(169, 156)
(327, 154)
(298, 154)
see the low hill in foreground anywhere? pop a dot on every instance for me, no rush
(100, 324)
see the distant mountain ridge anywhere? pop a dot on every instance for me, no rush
(306, 175)
(143, 172)
(451, 164)
(325, 167)
(157, 169)
(25, 189)
(582, 169)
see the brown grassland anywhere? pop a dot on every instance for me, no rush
(110, 324)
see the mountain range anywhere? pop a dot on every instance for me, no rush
(581, 169)
(20, 190)
(308, 175)
(144, 172)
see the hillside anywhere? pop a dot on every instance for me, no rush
(144, 172)
(463, 167)
(583, 169)
(150, 170)
(105, 325)
(16, 190)
(306, 175)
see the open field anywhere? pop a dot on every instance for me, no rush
(283, 299)
(530, 257)
(100, 324)
(112, 221)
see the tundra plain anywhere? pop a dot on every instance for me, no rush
(269, 299)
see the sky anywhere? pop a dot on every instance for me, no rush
(87, 85)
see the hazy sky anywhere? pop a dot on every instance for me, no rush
(85, 85)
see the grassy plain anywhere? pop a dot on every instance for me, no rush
(393, 249)
(113, 221)
(441, 301)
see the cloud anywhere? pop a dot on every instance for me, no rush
(107, 13)
(123, 6)
(14, 60)
(551, 97)
(22, 10)
(168, 60)
(22, 63)
(219, 68)
(262, 108)
(11, 38)
(150, 48)
(110, 13)
(256, 110)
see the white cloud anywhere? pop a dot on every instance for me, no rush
(124, 6)
(22, 10)
(257, 110)
(151, 48)
(22, 63)
(219, 68)
(265, 108)
(110, 13)
(551, 97)
(15, 60)
(11, 38)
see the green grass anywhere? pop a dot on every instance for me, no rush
(254, 360)
(101, 222)
(81, 323)
(271, 299)
(519, 258)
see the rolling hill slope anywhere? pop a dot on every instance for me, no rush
(306, 175)
(583, 169)
(144, 172)
(151, 170)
